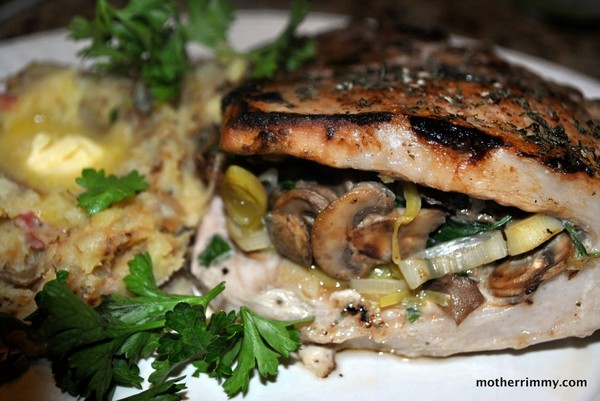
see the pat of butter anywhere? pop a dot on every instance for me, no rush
(64, 155)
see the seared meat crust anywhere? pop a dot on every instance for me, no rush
(413, 106)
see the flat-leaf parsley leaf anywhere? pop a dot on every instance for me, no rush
(141, 40)
(93, 350)
(288, 52)
(103, 191)
(147, 40)
(216, 250)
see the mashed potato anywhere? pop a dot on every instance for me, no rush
(55, 121)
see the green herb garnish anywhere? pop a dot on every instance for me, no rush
(103, 191)
(166, 391)
(412, 313)
(143, 40)
(263, 342)
(94, 350)
(208, 23)
(580, 251)
(454, 228)
(287, 52)
(287, 184)
(147, 40)
(216, 250)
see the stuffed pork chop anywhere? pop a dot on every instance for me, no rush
(411, 196)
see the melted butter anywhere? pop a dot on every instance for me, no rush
(45, 142)
(66, 155)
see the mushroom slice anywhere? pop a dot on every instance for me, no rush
(519, 277)
(412, 237)
(371, 238)
(464, 293)
(290, 223)
(331, 234)
(291, 237)
(306, 200)
(370, 241)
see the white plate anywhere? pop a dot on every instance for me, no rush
(362, 375)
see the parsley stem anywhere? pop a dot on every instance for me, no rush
(118, 330)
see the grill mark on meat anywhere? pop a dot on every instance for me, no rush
(273, 126)
(546, 134)
(269, 97)
(461, 139)
(494, 125)
(261, 119)
(568, 163)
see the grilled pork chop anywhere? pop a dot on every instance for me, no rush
(459, 123)
(416, 108)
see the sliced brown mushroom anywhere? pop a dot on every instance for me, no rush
(464, 294)
(331, 235)
(305, 199)
(517, 278)
(290, 236)
(372, 237)
(290, 222)
(413, 237)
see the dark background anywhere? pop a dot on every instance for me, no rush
(565, 35)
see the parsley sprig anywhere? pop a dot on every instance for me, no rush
(103, 191)
(93, 350)
(209, 24)
(147, 40)
(142, 39)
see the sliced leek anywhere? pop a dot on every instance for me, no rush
(377, 286)
(453, 256)
(248, 239)
(436, 297)
(393, 298)
(311, 282)
(389, 271)
(528, 233)
(411, 300)
(244, 197)
(245, 201)
(413, 207)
